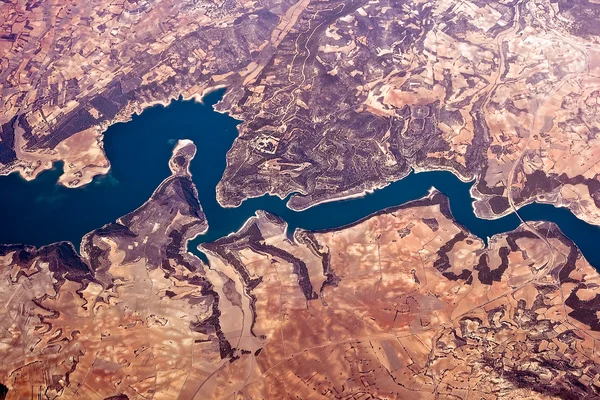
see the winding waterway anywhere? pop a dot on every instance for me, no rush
(41, 212)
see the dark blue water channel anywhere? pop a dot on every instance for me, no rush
(41, 212)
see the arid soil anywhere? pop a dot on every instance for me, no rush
(130, 316)
(403, 304)
(337, 97)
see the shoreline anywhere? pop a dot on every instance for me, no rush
(48, 162)
(188, 149)
(130, 111)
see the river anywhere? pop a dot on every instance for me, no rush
(41, 212)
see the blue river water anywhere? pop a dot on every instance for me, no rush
(41, 212)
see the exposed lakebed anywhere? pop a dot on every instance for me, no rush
(42, 212)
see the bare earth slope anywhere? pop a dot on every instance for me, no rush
(338, 97)
(403, 304)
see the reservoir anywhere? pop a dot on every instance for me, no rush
(41, 212)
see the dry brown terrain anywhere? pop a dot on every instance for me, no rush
(133, 315)
(403, 304)
(407, 304)
(337, 97)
